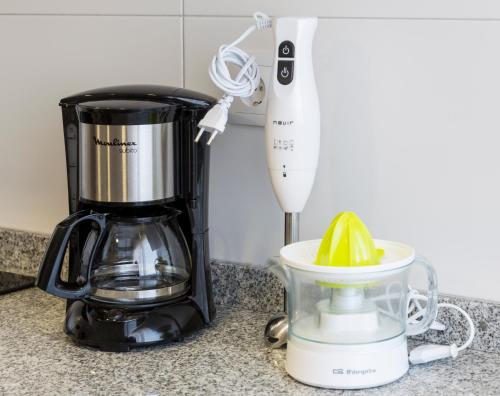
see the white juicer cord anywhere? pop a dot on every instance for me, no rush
(243, 85)
(429, 352)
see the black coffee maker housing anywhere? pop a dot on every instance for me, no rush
(147, 166)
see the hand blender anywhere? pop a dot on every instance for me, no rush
(292, 120)
(292, 132)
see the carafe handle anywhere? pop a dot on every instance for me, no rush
(431, 308)
(49, 274)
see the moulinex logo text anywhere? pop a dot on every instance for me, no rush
(353, 372)
(114, 142)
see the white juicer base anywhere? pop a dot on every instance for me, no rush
(347, 366)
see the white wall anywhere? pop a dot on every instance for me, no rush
(49, 53)
(409, 104)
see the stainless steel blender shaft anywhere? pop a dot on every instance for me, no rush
(291, 228)
(291, 236)
(276, 332)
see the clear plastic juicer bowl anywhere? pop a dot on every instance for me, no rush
(351, 305)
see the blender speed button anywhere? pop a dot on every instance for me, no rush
(285, 72)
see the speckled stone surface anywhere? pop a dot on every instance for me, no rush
(246, 285)
(234, 283)
(21, 251)
(228, 358)
(484, 314)
(253, 287)
(10, 282)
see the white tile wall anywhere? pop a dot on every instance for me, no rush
(92, 7)
(409, 139)
(44, 58)
(468, 9)
(244, 216)
(409, 128)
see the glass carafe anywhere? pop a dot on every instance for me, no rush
(125, 259)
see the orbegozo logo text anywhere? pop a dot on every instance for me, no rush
(341, 371)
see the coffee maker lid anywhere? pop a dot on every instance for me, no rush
(125, 112)
(143, 92)
(135, 104)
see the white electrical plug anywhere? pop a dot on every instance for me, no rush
(215, 120)
(243, 85)
(430, 352)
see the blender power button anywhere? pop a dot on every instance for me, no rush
(286, 50)
(285, 72)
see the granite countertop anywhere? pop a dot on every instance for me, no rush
(228, 357)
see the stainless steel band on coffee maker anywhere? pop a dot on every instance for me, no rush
(126, 163)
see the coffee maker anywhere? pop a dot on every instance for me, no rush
(136, 271)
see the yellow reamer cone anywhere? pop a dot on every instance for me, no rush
(348, 243)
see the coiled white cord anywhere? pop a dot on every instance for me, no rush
(243, 85)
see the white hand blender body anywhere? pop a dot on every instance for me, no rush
(292, 133)
(292, 119)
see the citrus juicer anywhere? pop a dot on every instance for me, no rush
(347, 306)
